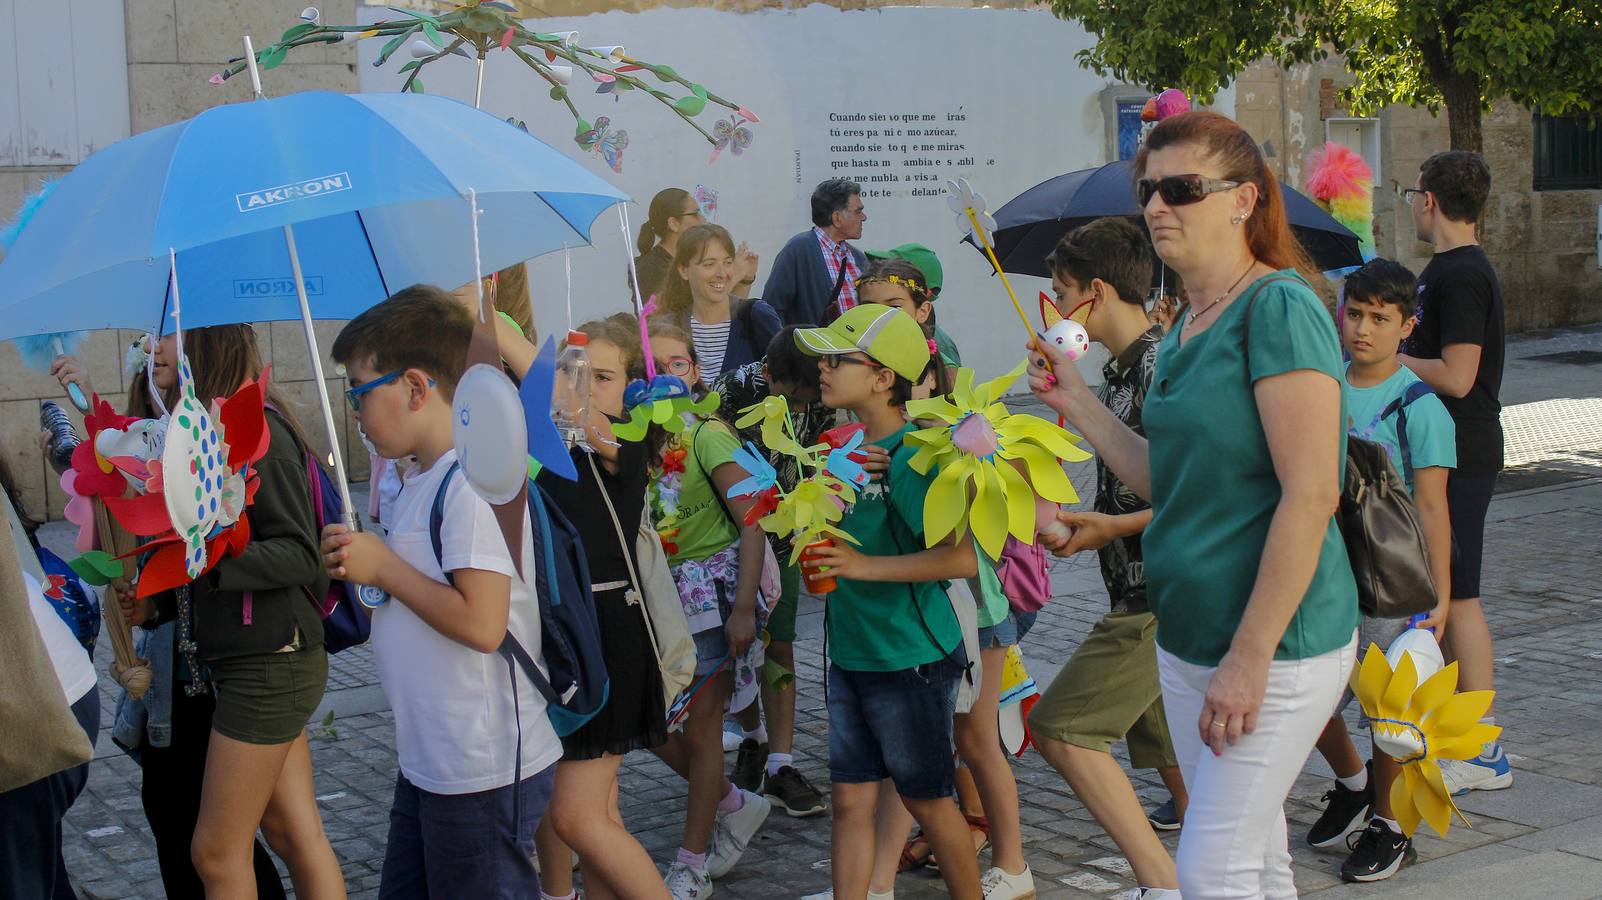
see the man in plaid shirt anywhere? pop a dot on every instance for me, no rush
(818, 267)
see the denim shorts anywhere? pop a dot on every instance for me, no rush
(1008, 631)
(896, 725)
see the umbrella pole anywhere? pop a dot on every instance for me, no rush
(322, 386)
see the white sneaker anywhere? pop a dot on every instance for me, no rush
(732, 832)
(1145, 893)
(872, 895)
(731, 740)
(1482, 773)
(685, 883)
(998, 885)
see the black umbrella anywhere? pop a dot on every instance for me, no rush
(1030, 225)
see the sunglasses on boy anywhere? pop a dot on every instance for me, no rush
(353, 396)
(1181, 190)
(836, 360)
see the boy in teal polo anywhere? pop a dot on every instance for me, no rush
(1388, 404)
(895, 643)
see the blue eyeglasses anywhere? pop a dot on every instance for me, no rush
(353, 396)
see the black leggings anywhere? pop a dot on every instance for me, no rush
(171, 795)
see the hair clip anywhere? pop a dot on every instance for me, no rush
(933, 347)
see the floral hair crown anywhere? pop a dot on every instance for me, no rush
(911, 284)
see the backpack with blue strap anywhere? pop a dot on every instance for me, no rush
(1398, 408)
(570, 633)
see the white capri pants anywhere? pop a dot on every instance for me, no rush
(1234, 844)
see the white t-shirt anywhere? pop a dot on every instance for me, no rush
(454, 723)
(73, 668)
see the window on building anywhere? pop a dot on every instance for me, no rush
(1568, 153)
(1362, 136)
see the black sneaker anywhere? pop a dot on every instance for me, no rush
(1377, 854)
(1345, 814)
(749, 765)
(1165, 817)
(790, 791)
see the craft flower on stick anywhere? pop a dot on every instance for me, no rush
(664, 401)
(808, 511)
(978, 487)
(977, 225)
(1419, 724)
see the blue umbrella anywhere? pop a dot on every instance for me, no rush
(1029, 225)
(313, 205)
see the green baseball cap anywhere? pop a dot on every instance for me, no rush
(885, 333)
(919, 255)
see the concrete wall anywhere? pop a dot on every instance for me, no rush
(173, 48)
(1543, 243)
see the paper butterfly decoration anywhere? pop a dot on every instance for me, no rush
(707, 199)
(1068, 334)
(1418, 720)
(977, 486)
(607, 141)
(730, 134)
(809, 510)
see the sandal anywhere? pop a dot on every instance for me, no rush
(976, 825)
(909, 857)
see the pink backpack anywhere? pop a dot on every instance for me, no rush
(1023, 575)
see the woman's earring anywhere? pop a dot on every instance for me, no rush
(1237, 220)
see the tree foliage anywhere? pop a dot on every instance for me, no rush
(1463, 54)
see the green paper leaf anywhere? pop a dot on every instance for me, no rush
(272, 58)
(414, 64)
(414, 14)
(698, 91)
(690, 105)
(393, 45)
(581, 126)
(558, 92)
(97, 567)
(485, 21)
(664, 72)
(432, 33)
(417, 86)
(625, 85)
(295, 32)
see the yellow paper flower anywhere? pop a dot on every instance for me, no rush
(1418, 725)
(809, 510)
(976, 446)
(774, 414)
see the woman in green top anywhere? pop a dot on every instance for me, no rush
(1255, 603)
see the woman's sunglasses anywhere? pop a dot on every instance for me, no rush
(1181, 190)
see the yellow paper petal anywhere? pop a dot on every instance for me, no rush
(1025, 428)
(996, 388)
(1465, 746)
(1046, 475)
(945, 507)
(1402, 805)
(1432, 693)
(1373, 675)
(934, 408)
(988, 519)
(963, 392)
(1400, 690)
(1020, 503)
(1459, 713)
(1434, 804)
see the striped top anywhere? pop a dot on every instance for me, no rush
(711, 343)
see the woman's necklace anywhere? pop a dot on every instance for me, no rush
(1191, 319)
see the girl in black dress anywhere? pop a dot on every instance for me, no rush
(583, 814)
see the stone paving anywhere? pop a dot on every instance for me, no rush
(1541, 838)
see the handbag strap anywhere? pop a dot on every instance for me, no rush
(628, 558)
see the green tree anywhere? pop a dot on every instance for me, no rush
(1461, 54)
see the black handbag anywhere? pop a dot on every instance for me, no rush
(1384, 538)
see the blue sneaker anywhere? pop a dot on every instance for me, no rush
(1486, 772)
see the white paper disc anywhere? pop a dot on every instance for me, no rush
(490, 434)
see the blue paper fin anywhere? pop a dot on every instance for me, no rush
(545, 443)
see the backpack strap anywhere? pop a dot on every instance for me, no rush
(1398, 407)
(1246, 321)
(436, 520)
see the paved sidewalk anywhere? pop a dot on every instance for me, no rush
(1541, 838)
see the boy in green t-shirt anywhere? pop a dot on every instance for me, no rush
(893, 636)
(1388, 404)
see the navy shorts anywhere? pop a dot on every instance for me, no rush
(896, 725)
(1468, 497)
(465, 845)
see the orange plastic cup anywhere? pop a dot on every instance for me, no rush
(817, 581)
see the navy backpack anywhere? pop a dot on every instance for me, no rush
(570, 633)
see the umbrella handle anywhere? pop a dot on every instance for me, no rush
(326, 408)
(990, 251)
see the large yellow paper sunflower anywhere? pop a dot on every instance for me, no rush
(1418, 725)
(976, 446)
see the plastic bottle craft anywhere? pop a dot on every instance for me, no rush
(1418, 720)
